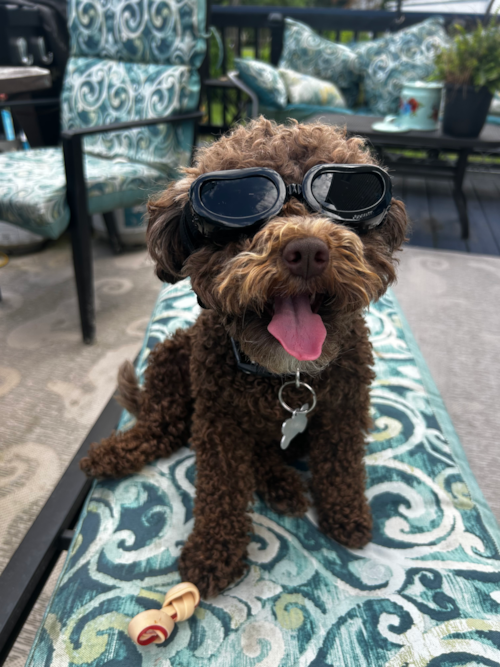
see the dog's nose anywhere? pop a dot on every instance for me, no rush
(306, 257)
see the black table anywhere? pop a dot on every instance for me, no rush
(18, 83)
(23, 79)
(434, 143)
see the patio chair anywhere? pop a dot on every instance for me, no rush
(129, 108)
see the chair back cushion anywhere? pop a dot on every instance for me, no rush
(264, 80)
(100, 92)
(306, 52)
(165, 32)
(386, 64)
(305, 89)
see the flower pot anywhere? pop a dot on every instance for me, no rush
(465, 110)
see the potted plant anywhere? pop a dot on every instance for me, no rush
(470, 70)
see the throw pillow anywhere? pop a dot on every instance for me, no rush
(305, 89)
(386, 64)
(306, 52)
(264, 80)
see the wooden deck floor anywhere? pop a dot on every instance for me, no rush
(434, 217)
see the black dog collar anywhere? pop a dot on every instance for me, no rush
(243, 363)
(249, 367)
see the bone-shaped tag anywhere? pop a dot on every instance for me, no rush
(294, 425)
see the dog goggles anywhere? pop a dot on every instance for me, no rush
(225, 204)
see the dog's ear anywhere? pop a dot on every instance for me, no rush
(395, 227)
(163, 234)
(381, 245)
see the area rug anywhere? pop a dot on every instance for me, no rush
(451, 301)
(52, 386)
(424, 592)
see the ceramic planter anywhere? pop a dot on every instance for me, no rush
(465, 110)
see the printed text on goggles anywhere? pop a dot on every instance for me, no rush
(225, 204)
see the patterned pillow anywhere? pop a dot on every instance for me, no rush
(391, 61)
(305, 89)
(305, 52)
(264, 80)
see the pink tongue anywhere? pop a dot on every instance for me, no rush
(298, 329)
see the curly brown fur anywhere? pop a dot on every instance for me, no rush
(194, 390)
(129, 392)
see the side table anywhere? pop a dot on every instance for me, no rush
(435, 142)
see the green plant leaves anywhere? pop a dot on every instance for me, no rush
(473, 59)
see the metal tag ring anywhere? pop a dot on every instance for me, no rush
(299, 384)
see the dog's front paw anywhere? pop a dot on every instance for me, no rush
(354, 531)
(209, 566)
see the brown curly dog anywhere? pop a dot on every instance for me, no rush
(195, 392)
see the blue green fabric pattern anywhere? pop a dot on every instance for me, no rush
(166, 32)
(306, 52)
(33, 188)
(424, 592)
(100, 92)
(301, 112)
(264, 80)
(305, 89)
(386, 64)
(131, 60)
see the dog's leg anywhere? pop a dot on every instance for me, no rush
(279, 484)
(337, 447)
(213, 556)
(163, 415)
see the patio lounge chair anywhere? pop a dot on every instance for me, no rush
(129, 109)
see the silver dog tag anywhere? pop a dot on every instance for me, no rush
(294, 425)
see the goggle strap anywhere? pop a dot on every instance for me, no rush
(294, 190)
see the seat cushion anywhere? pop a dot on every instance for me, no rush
(425, 591)
(33, 188)
(165, 32)
(302, 112)
(306, 52)
(386, 64)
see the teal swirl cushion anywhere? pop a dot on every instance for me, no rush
(306, 52)
(425, 592)
(99, 92)
(33, 187)
(264, 80)
(386, 64)
(305, 89)
(166, 32)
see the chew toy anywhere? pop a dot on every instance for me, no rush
(156, 625)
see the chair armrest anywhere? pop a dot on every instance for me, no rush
(114, 127)
(233, 76)
(72, 144)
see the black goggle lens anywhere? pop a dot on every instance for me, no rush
(347, 192)
(238, 198)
